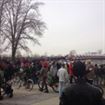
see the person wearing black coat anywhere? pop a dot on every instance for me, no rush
(81, 92)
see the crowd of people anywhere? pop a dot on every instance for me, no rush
(64, 72)
(82, 92)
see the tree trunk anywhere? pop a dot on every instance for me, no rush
(13, 53)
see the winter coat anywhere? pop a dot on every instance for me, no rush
(81, 93)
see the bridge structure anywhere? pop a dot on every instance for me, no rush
(92, 57)
(99, 59)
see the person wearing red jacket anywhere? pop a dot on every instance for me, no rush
(70, 72)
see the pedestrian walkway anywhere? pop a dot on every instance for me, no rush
(51, 101)
(34, 97)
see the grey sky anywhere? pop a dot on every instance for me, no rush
(72, 25)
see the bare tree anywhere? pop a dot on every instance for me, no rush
(3, 47)
(2, 3)
(22, 23)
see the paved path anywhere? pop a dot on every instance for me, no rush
(34, 97)
(51, 101)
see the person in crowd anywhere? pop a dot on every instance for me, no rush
(43, 75)
(1, 80)
(70, 71)
(63, 78)
(102, 75)
(97, 73)
(53, 71)
(8, 72)
(89, 66)
(34, 70)
(81, 92)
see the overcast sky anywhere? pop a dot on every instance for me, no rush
(72, 25)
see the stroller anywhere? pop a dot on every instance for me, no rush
(7, 90)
